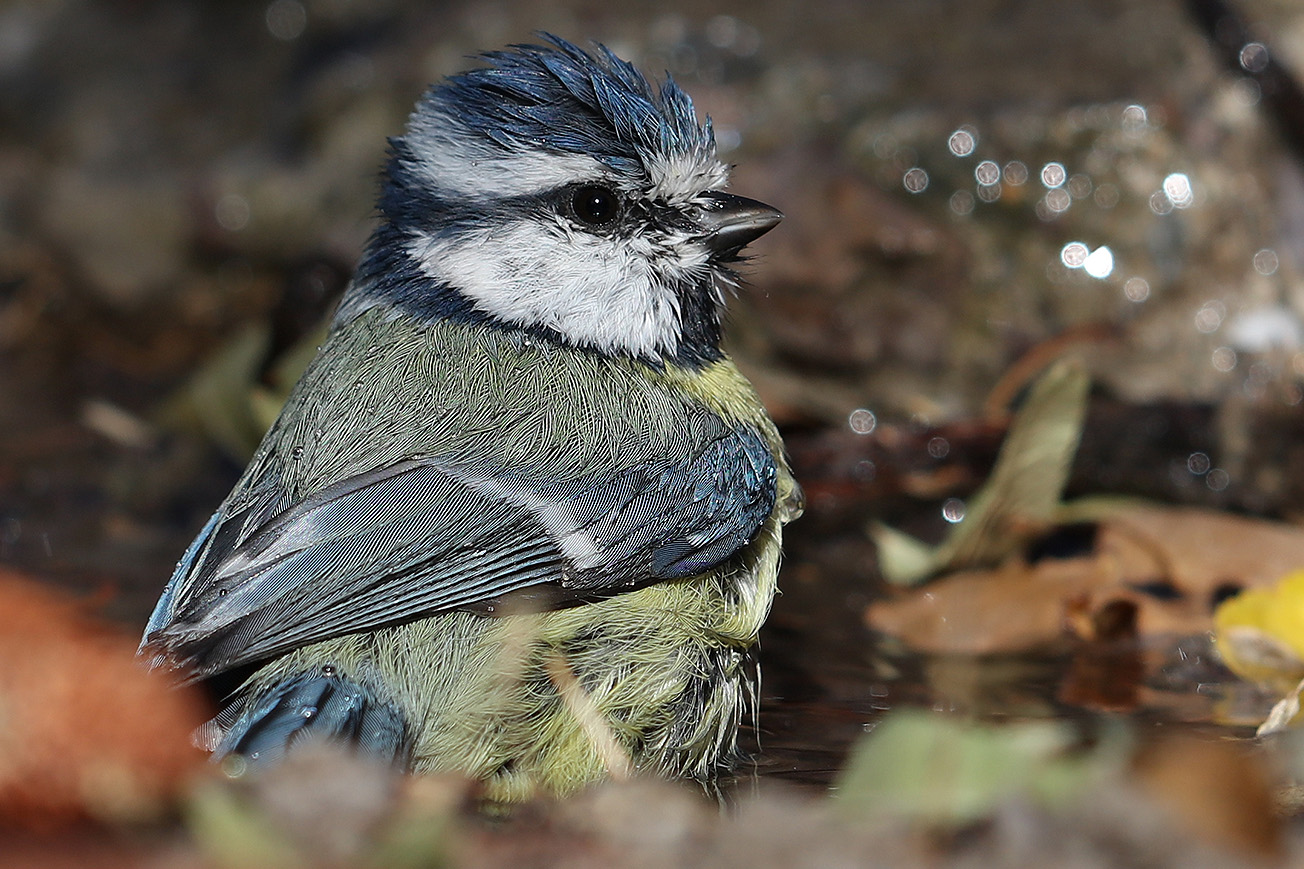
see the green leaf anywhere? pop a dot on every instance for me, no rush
(215, 400)
(234, 834)
(1021, 496)
(937, 769)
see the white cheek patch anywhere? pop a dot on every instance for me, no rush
(674, 260)
(595, 291)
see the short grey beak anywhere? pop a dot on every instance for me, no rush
(732, 222)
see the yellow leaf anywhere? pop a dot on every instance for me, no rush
(1260, 633)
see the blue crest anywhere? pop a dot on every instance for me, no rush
(565, 99)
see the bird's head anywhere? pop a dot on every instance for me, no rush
(557, 191)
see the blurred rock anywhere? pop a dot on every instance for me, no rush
(127, 238)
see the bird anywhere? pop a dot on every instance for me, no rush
(521, 516)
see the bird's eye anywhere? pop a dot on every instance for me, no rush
(594, 206)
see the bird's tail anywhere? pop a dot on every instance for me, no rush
(310, 707)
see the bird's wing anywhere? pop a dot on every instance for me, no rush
(426, 535)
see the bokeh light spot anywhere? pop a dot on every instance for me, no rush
(1016, 173)
(1266, 262)
(962, 142)
(1136, 289)
(1134, 118)
(862, 421)
(1058, 200)
(1210, 316)
(1099, 263)
(1254, 57)
(915, 180)
(1177, 187)
(1074, 254)
(1080, 186)
(1223, 359)
(987, 172)
(286, 19)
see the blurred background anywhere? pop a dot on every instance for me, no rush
(973, 188)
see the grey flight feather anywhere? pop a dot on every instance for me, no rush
(426, 535)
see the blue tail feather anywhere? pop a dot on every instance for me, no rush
(311, 707)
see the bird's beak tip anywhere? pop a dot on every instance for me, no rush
(732, 222)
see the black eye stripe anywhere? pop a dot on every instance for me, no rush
(423, 209)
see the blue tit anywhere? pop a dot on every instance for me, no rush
(521, 516)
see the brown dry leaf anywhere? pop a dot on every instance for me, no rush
(1171, 565)
(1009, 608)
(85, 731)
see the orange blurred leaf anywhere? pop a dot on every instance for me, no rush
(85, 731)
